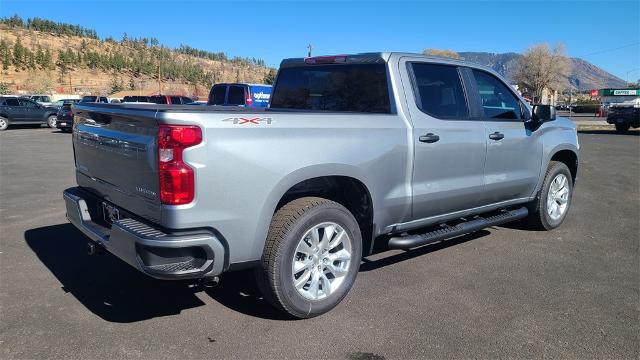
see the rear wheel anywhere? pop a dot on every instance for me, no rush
(552, 203)
(311, 257)
(4, 123)
(52, 121)
(622, 128)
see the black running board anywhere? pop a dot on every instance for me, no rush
(447, 232)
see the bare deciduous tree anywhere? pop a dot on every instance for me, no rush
(541, 67)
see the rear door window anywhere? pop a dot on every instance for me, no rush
(498, 102)
(11, 102)
(28, 103)
(439, 91)
(236, 95)
(175, 100)
(217, 95)
(339, 88)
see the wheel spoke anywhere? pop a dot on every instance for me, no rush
(550, 202)
(326, 284)
(337, 271)
(328, 233)
(315, 237)
(299, 283)
(314, 287)
(337, 239)
(301, 265)
(304, 248)
(563, 182)
(563, 196)
(342, 255)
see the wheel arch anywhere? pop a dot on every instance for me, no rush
(569, 158)
(337, 182)
(566, 153)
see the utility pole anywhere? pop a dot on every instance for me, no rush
(70, 87)
(570, 99)
(629, 72)
(159, 82)
(310, 47)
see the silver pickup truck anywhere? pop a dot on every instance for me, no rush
(391, 149)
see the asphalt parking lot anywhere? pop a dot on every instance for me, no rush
(503, 292)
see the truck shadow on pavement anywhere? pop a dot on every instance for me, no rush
(104, 284)
(369, 265)
(116, 292)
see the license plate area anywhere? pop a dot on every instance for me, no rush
(110, 213)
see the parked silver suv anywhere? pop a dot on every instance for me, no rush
(354, 149)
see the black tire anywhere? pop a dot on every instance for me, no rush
(539, 217)
(288, 226)
(51, 121)
(4, 123)
(622, 128)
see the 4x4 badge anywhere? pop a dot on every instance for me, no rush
(251, 121)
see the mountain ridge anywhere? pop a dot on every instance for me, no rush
(583, 75)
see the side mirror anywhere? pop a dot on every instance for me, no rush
(543, 113)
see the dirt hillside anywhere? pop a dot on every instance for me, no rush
(80, 78)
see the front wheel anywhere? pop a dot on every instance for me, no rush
(622, 128)
(51, 121)
(552, 203)
(311, 257)
(4, 123)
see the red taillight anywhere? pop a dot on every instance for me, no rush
(326, 59)
(249, 99)
(177, 185)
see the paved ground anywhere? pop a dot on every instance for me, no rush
(504, 292)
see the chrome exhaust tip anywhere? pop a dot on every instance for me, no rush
(210, 282)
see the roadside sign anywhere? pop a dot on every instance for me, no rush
(619, 92)
(594, 93)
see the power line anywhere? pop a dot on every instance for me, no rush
(609, 50)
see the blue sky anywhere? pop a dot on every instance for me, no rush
(605, 33)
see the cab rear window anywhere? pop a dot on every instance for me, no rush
(337, 88)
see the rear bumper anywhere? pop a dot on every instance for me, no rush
(162, 255)
(64, 124)
(630, 119)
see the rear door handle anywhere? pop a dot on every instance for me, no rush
(429, 138)
(496, 136)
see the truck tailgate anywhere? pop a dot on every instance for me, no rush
(115, 151)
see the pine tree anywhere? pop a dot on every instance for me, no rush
(5, 54)
(18, 54)
(30, 59)
(270, 77)
(40, 57)
(116, 84)
(6, 59)
(62, 63)
(47, 60)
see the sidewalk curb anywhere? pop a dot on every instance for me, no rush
(608, 127)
